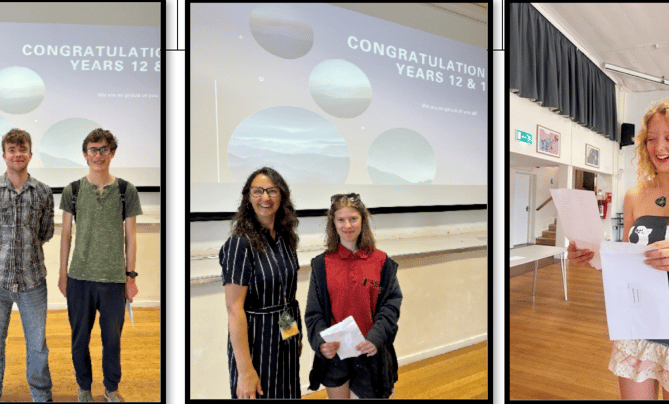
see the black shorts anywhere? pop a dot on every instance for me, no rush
(355, 370)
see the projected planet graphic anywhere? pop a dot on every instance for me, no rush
(340, 88)
(60, 146)
(280, 32)
(401, 156)
(302, 146)
(21, 90)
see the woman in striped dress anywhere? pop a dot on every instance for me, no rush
(260, 279)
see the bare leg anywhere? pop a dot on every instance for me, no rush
(631, 390)
(340, 392)
(665, 394)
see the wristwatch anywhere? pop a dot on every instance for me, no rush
(132, 274)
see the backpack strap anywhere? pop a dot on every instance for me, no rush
(122, 186)
(75, 194)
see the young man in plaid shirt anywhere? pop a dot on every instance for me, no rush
(26, 223)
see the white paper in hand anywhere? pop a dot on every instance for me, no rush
(347, 334)
(579, 217)
(129, 306)
(636, 295)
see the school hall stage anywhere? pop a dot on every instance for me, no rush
(559, 350)
(140, 358)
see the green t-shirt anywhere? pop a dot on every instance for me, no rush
(99, 245)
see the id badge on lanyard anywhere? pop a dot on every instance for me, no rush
(287, 325)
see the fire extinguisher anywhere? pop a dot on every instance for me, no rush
(604, 204)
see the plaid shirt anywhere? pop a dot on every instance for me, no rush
(26, 220)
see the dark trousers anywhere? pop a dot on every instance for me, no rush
(84, 298)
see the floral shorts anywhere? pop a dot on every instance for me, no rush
(639, 360)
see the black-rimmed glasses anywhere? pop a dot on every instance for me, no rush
(351, 197)
(272, 192)
(94, 150)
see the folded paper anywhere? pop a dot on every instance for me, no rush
(347, 334)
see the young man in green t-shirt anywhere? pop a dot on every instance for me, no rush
(102, 272)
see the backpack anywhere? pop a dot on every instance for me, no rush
(122, 185)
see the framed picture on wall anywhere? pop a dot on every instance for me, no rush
(591, 155)
(548, 141)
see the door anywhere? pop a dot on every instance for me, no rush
(521, 210)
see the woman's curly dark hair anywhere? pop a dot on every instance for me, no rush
(245, 223)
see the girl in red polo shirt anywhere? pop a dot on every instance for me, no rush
(353, 278)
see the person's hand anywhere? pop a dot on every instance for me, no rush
(130, 290)
(579, 257)
(366, 347)
(62, 284)
(248, 384)
(329, 349)
(658, 257)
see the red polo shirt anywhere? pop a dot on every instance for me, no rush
(353, 283)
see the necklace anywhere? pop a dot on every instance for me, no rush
(661, 201)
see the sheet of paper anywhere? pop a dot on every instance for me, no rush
(579, 216)
(347, 334)
(129, 306)
(636, 295)
(516, 257)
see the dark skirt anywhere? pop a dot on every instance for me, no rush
(275, 360)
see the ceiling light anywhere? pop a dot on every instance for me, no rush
(639, 75)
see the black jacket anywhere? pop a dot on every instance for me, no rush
(382, 334)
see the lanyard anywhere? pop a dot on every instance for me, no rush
(279, 268)
(287, 324)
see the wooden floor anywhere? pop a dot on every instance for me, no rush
(460, 374)
(140, 358)
(559, 350)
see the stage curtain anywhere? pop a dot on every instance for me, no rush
(545, 67)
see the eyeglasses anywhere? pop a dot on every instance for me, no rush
(272, 192)
(351, 197)
(105, 151)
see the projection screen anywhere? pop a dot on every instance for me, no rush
(336, 101)
(68, 68)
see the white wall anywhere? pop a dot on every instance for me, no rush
(526, 115)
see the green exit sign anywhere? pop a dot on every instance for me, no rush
(525, 137)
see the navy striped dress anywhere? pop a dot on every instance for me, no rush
(275, 360)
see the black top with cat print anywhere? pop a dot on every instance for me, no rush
(649, 229)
